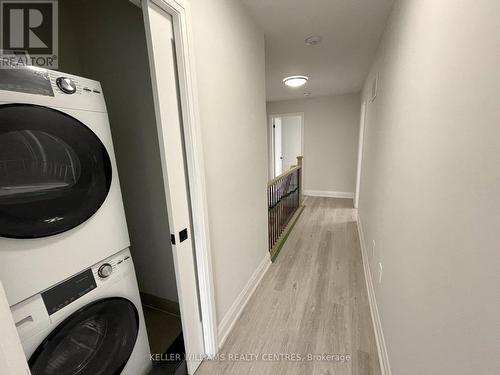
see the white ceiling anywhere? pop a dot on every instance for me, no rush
(350, 29)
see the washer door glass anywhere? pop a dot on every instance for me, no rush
(55, 173)
(95, 340)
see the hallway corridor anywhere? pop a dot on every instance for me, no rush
(313, 300)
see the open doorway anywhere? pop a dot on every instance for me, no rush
(286, 135)
(113, 49)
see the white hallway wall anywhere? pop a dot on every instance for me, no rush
(330, 140)
(229, 49)
(430, 190)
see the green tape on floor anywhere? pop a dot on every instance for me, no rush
(286, 235)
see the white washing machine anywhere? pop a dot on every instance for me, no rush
(61, 208)
(89, 324)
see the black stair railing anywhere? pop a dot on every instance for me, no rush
(284, 196)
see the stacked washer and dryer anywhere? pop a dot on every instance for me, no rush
(64, 258)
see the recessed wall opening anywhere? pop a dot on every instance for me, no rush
(113, 49)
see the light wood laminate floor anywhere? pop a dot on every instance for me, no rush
(312, 300)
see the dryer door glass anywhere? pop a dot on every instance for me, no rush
(95, 340)
(55, 173)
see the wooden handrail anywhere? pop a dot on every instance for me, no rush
(290, 171)
(277, 178)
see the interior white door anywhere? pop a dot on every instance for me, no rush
(162, 59)
(291, 140)
(12, 358)
(278, 156)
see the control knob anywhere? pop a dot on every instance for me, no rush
(67, 85)
(105, 270)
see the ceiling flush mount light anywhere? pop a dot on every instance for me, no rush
(313, 40)
(295, 81)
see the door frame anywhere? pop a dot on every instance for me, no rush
(184, 46)
(277, 145)
(271, 155)
(361, 142)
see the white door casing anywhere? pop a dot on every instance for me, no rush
(183, 36)
(278, 152)
(160, 38)
(277, 148)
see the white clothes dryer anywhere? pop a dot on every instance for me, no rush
(61, 207)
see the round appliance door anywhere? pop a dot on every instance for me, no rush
(55, 173)
(95, 340)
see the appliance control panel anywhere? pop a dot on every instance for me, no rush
(112, 267)
(68, 291)
(65, 84)
(50, 88)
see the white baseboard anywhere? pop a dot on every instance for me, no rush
(385, 366)
(330, 194)
(227, 323)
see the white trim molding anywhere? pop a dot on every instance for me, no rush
(330, 194)
(234, 312)
(385, 367)
(361, 142)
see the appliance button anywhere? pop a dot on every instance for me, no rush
(67, 85)
(105, 270)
